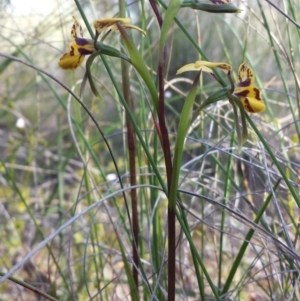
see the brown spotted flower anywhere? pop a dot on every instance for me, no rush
(248, 94)
(244, 90)
(78, 49)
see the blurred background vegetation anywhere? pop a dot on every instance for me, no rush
(54, 163)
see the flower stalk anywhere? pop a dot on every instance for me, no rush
(131, 147)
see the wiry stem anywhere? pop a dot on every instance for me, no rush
(168, 162)
(132, 167)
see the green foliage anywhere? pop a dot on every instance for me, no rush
(66, 170)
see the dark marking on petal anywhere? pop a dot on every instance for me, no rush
(78, 62)
(243, 93)
(76, 29)
(73, 31)
(244, 83)
(247, 106)
(100, 25)
(84, 51)
(257, 94)
(224, 66)
(245, 73)
(81, 41)
(72, 51)
(249, 73)
(243, 67)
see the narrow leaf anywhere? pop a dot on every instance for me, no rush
(138, 63)
(171, 12)
(184, 122)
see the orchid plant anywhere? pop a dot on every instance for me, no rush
(243, 93)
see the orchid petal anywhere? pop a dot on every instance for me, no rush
(110, 23)
(104, 23)
(192, 67)
(85, 47)
(205, 66)
(253, 105)
(246, 92)
(245, 75)
(220, 65)
(249, 91)
(70, 62)
(78, 48)
(76, 30)
(130, 26)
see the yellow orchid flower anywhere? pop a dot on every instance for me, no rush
(78, 49)
(244, 90)
(248, 94)
(204, 66)
(109, 24)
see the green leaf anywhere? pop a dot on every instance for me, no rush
(184, 122)
(219, 95)
(111, 51)
(137, 61)
(171, 12)
(133, 289)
